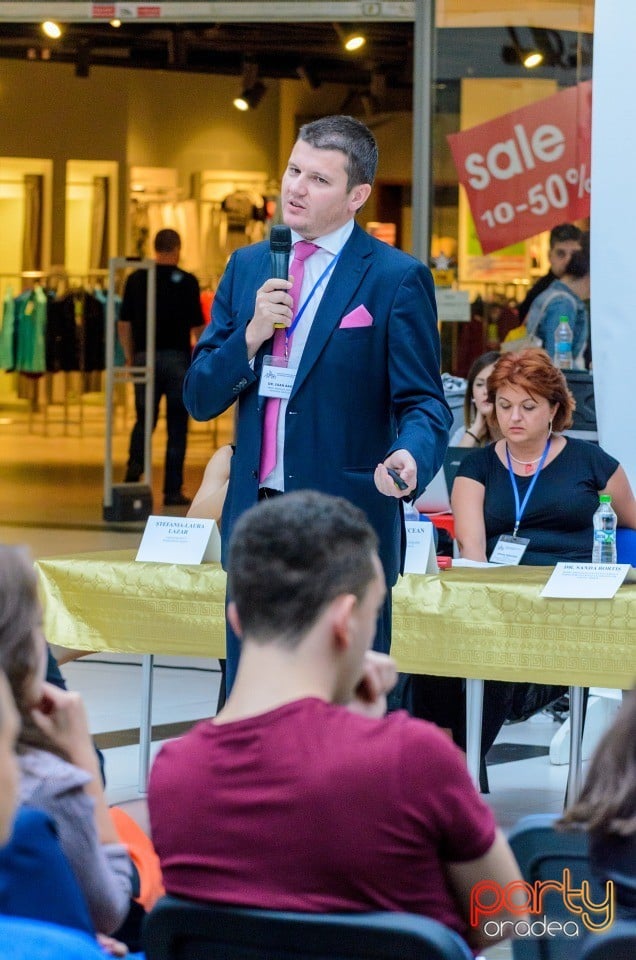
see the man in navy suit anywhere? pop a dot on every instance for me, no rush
(350, 385)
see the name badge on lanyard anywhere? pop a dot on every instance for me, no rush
(510, 549)
(277, 378)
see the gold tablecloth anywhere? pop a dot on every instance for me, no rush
(466, 622)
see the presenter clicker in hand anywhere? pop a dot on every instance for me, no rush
(336, 369)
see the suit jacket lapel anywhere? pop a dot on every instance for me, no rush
(345, 280)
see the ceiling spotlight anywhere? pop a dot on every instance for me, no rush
(250, 97)
(352, 40)
(514, 53)
(532, 59)
(52, 29)
(115, 23)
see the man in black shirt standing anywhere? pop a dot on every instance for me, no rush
(178, 311)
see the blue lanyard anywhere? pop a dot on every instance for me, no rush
(519, 509)
(325, 273)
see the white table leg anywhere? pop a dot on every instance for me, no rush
(474, 712)
(145, 721)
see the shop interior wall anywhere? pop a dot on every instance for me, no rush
(133, 117)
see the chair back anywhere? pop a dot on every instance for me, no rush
(542, 854)
(179, 929)
(626, 545)
(619, 943)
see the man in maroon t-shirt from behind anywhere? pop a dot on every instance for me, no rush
(301, 794)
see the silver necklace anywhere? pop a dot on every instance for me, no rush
(525, 463)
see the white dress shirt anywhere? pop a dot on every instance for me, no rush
(330, 245)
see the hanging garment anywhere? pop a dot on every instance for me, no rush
(7, 332)
(30, 318)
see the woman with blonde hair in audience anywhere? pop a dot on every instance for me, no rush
(59, 770)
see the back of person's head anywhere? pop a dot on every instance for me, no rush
(9, 725)
(167, 241)
(607, 804)
(352, 138)
(533, 371)
(579, 263)
(22, 647)
(563, 233)
(479, 364)
(291, 556)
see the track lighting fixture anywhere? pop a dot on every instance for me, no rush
(304, 73)
(546, 49)
(251, 97)
(52, 29)
(514, 53)
(352, 40)
(253, 89)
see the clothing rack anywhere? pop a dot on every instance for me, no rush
(66, 385)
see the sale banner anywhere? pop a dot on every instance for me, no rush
(528, 170)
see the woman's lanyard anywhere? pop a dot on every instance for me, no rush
(519, 509)
(325, 273)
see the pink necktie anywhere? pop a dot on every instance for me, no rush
(302, 250)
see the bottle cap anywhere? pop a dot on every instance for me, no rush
(605, 498)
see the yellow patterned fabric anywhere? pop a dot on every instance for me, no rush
(468, 622)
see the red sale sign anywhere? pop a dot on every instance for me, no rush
(528, 170)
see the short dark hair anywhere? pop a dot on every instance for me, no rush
(290, 556)
(532, 370)
(351, 137)
(579, 262)
(166, 241)
(564, 232)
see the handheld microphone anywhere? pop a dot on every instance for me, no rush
(279, 249)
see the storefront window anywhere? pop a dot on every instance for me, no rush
(511, 155)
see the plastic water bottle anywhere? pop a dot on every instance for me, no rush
(563, 345)
(604, 549)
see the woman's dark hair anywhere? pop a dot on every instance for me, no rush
(485, 360)
(607, 804)
(532, 370)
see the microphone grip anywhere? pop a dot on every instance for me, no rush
(279, 262)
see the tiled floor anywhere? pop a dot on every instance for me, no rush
(50, 499)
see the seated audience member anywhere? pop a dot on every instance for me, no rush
(567, 298)
(59, 771)
(565, 239)
(565, 477)
(533, 483)
(24, 939)
(209, 499)
(477, 408)
(607, 808)
(301, 794)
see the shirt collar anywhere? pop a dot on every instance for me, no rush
(331, 242)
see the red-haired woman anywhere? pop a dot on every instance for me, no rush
(534, 483)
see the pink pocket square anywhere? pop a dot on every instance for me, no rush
(360, 317)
